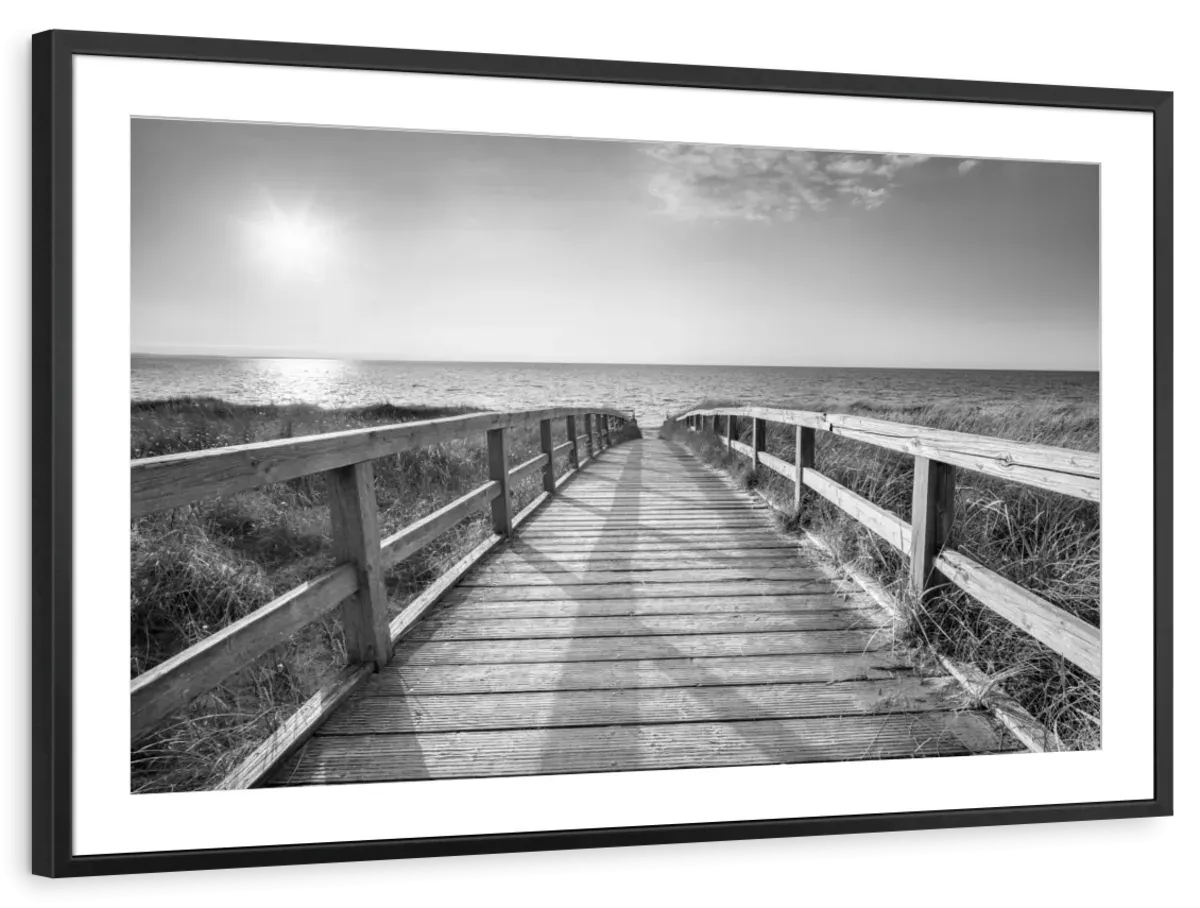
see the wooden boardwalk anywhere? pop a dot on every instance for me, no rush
(649, 616)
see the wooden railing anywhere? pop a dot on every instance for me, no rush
(938, 453)
(356, 583)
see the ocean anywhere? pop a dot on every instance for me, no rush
(650, 391)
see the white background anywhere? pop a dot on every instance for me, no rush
(108, 90)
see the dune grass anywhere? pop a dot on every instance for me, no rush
(1046, 542)
(197, 568)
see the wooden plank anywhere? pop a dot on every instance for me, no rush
(354, 527)
(933, 442)
(631, 576)
(573, 438)
(616, 546)
(806, 447)
(413, 538)
(488, 712)
(1064, 470)
(644, 591)
(497, 443)
(755, 517)
(582, 500)
(547, 439)
(551, 548)
(519, 472)
(749, 535)
(788, 417)
(1069, 636)
(933, 515)
(568, 444)
(795, 604)
(894, 531)
(658, 646)
(730, 432)
(382, 758)
(743, 449)
(448, 625)
(158, 483)
(758, 442)
(401, 678)
(174, 683)
(759, 522)
(507, 564)
(587, 431)
(295, 730)
(572, 511)
(778, 465)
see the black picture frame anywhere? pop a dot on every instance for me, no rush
(54, 448)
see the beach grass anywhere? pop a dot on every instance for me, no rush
(196, 569)
(1043, 541)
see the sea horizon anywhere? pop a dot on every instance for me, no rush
(516, 362)
(650, 390)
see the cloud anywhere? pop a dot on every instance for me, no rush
(966, 166)
(725, 182)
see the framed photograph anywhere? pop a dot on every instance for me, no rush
(501, 453)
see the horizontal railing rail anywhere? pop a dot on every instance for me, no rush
(1075, 473)
(356, 582)
(159, 483)
(938, 453)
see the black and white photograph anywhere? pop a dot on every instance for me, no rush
(463, 456)
(530, 452)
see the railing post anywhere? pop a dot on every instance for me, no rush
(731, 428)
(759, 442)
(498, 470)
(806, 445)
(932, 515)
(354, 522)
(587, 431)
(573, 451)
(548, 450)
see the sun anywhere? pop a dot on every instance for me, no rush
(291, 243)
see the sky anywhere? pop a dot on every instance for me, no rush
(264, 240)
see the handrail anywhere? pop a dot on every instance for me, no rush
(1071, 472)
(159, 483)
(355, 583)
(937, 453)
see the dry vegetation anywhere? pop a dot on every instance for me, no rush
(195, 569)
(1046, 542)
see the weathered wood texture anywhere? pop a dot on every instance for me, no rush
(497, 443)
(648, 616)
(354, 522)
(573, 438)
(806, 445)
(416, 536)
(174, 479)
(199, 668)
(930, 564)
(933, 514)
(1071, 472)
